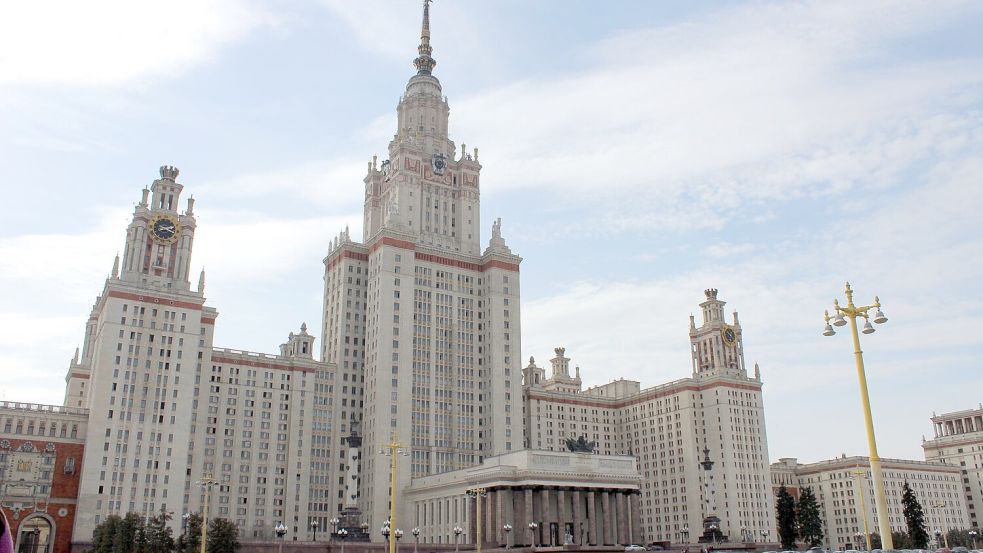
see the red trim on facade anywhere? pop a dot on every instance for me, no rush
(347, 254)
(207, 320)
(395, 242)
(428, 257)
(496, 264)
(154, 300)
(641, 397)
(260, 364)
(78, 375)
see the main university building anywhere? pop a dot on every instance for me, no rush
(421, 343)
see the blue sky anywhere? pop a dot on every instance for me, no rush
(638, 152)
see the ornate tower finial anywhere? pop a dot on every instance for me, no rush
(424, 63)
(169, 172)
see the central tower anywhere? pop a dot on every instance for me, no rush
(423, 325)
(425, 188)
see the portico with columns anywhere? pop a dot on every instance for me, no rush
(572, 498)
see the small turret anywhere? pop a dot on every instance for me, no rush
(298, 345)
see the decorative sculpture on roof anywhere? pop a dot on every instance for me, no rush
(581, 445)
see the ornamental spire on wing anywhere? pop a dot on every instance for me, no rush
(424, 63)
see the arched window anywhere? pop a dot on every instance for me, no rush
(35, 535)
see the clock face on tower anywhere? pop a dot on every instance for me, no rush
(438, 163)
(729, 336)
(164, 228)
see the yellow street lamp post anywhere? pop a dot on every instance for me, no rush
(393, 450)
(206, 484)
(858, 475)
(477, 494)
(852, 311)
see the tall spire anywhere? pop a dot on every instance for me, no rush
(424, 63)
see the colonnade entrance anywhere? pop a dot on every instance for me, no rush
(563, 515)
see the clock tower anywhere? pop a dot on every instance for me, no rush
(147, 339)
(159, 239)
(717, 347)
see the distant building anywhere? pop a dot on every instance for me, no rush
(41, 450)
(667, 427)
(958, 442)
(783, 474)
(836, 487)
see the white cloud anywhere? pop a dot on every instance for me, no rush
(700, 120)
(327, 183)
(917, 248)
(116, 41)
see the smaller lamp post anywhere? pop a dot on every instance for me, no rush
(342, 534)
(416, 538)
(399, 534)
(385, 532)
(334, 525)
(314, 528)
(281, 531)
(184, 523)
(457, 534)
(508, 534)
(684, 533)
(764, 536)
(972, 535)
(532, 529)
(938, 538)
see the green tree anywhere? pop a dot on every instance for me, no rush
(223, 536)
(159, 537)
(959, 537)
(785, 513)
(104, 534)
(127, 535)
(914, 517)
(875, 540)
(190, 539)
(902, 540)
(810, 522)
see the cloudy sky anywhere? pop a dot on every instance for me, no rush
(637, 152)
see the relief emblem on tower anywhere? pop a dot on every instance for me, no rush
(438, 163)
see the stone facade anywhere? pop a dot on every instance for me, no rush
(838, 490)
(420, 345)
(572, 498)
(166, 408)
(421, 322)
(667, 427)
(41, 452)
(958, 442)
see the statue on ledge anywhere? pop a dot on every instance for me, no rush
(581, 445)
